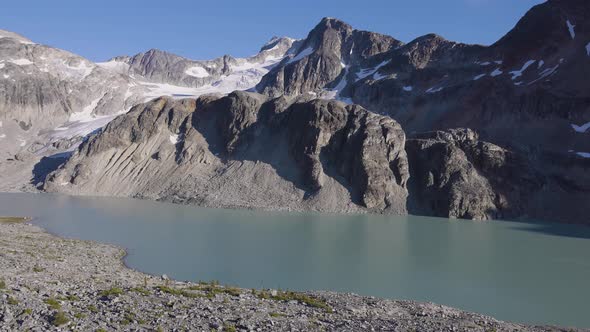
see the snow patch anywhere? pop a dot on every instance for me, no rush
(3, 136)
(408, 88)
(372, 71)
(588, 49)
(583, 154)
(545, 73)
(487, 63)
(21, 62)
(581, 129)
(174, 139)
(1, 65)
(434, 90)
(197, 71)
(378, 76)
(496, 72)
(86, 114)
(571, 27)
(478, 77)
(518, 73)
(335, 92)
(114, 65)
(301, 55)
(541, 63)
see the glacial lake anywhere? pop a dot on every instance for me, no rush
(521, 272)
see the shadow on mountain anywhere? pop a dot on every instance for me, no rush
(47, 165)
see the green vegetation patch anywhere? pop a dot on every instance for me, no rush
(115, 291)
(2, 284)
(38, 269)
(177, 292)
(53, 303)
(59, 318)
(294, 296)
(211, 289)
(12, 301)
(141, 290)
(13, 219)
(229, 328)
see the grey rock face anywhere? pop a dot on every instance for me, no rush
(363, 148)
(322, 58)
(454, 174)
(243, 149)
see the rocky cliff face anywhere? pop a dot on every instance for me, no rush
(246, 150)
(455, 174)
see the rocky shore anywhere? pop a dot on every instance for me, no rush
(50, 283)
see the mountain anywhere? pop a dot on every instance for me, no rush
(52, 99)
(530, 87)
(245, 150)
(351, 121)
(224, 74)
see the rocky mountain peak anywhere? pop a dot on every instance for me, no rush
(546, 30)
(323, 57)
(277, 42)
(15, 36)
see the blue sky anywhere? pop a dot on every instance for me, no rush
(197, 29)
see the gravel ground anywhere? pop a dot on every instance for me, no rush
(50, 283)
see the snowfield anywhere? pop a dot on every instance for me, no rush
(581, 129)
(301, 55)
(571, 27)
(197, 71)
(496, 72)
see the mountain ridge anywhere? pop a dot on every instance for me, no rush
(487, 132)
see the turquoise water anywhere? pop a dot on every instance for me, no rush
(523, 272)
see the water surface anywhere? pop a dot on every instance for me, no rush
(523, 272)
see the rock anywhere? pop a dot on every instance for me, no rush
(247, 150)
(321, 57)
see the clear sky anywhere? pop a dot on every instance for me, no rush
(198, 29)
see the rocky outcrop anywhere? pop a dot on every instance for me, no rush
(455, 174)
(246, 150)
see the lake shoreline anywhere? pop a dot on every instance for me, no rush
(54, 283)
